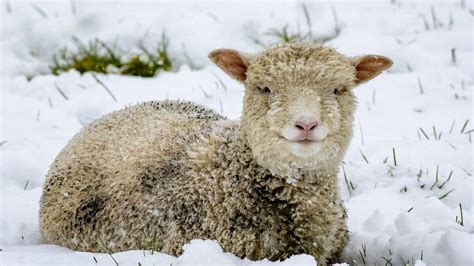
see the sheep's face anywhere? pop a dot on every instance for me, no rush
(299, 105)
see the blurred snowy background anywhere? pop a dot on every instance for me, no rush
(407, 179)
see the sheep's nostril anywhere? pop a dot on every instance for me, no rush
(299, 127)
(306, 126)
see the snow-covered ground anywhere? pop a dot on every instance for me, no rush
(398, 212)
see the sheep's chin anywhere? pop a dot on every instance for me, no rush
(305, 149)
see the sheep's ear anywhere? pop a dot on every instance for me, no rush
(231, 62)
(369, 66)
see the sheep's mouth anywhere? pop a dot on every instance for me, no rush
(304, 141)
(301, 141)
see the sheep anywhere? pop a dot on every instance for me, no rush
(159, 174)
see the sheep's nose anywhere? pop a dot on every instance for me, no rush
(306, 126)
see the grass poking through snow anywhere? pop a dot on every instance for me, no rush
(350, 186)
(460, 220)
(97, 56)
(289, 33)
(394, 157)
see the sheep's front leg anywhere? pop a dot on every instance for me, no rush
(342, 235)
(320, 221)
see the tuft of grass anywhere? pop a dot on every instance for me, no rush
(363, 253)
(363, 156)
(446, 194)
(207, 95)
(434, 18)
(394, 157)
(464, 126)
(424, 133)
(220, 81)
(390, 170)
(451, 145)
(40, 11)
(350, 186)
(447, 180)
(461, 219)
(61, 92)
(425, 22)
(188, 59)
(453, 56)
(285, 34)
(419, 174)
(420, 86)
(102, 84)
(97, 56)
(436, 177)
(452, 126)
(151, 246)
(387, 261)
(108, 252)
(436, 135)
(308, 19)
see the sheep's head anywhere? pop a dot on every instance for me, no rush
(298, 105)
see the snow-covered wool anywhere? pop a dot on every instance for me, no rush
(159, 174)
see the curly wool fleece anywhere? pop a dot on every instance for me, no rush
(159, 174)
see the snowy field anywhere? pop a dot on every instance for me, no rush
(407, 179)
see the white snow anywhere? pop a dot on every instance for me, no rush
(196, 253)
(395, 212)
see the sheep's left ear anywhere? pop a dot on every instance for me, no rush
(232, 62)
(369, 66)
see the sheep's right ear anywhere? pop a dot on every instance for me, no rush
(231, 62)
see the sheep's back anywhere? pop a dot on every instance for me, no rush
(116, 179)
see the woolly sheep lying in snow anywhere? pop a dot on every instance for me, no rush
(159, 174)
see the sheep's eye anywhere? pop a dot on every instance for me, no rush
(265, 90)
(336, 91)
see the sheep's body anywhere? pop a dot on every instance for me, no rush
(157, 175)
